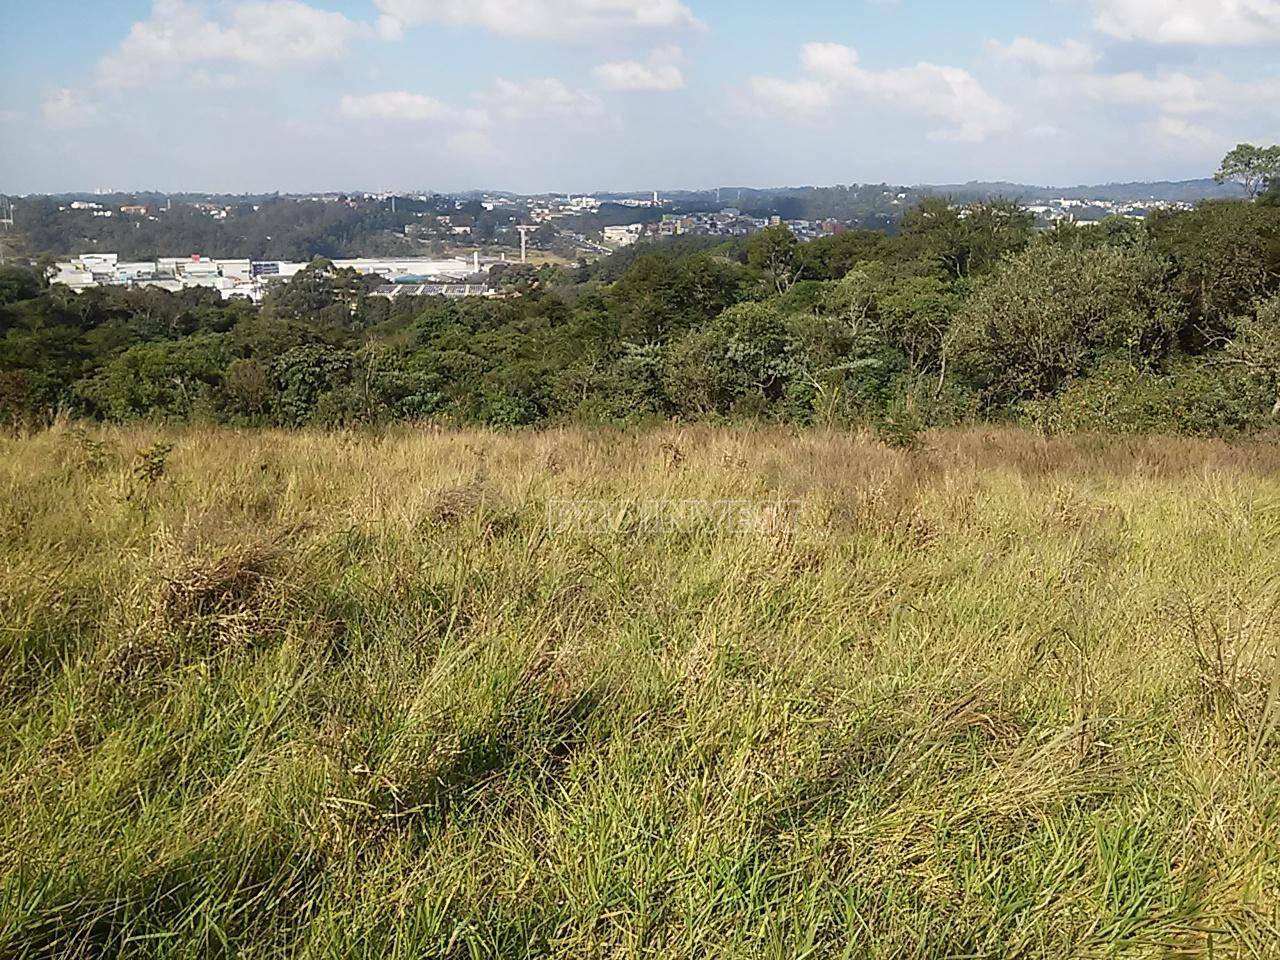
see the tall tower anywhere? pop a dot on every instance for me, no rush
(6, 223)
(525, 230)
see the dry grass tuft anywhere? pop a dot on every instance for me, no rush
(230, 585)
(454, 505)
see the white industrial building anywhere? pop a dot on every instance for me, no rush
(251, 278)
(623, 236)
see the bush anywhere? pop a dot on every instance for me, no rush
(303, 374)
(1194, 399)
(1049, 315)
(165, 380)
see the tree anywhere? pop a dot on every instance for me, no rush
(743, 356)
(1049, 314)
(1256, 347)
(1226, 256)
(318, 294)
(18, 283)
(248, 386)
(303, 375)
(1251, 167)
(915, 313)
(775, 252)
(167, 379)
(969, 240)
(660, 295)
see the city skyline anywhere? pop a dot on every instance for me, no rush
(611, 95)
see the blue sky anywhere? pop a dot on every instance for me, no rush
(581, 95)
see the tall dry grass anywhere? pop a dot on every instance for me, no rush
(310, 694)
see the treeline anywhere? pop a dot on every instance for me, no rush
(1171, 324)
(265, 229)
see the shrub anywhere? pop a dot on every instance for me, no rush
(1048, 315)
(1191, 398)
(166, 380)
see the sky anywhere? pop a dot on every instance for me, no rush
(592, 95)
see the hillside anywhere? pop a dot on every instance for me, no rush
(346, 694)
(300, 227)
(1176, 191)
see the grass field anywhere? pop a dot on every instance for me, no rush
(356, 695)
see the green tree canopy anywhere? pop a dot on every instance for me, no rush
(1255, 345)
(18, 283)
(775, 252)
(1251, 167)
(967, 240)
(1051, 312)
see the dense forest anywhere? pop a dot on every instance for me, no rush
(269, 228)
(966, 312)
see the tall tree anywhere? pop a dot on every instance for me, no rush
(1251, 167)
(775, 252)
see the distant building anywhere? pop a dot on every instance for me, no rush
(623, 236)
(454, 291)
(251, 278)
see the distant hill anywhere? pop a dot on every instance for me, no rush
(291, 227)
(1186, 191)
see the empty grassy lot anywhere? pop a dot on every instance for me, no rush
(352, 695)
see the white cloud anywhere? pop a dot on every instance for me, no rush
(831, 61)
(1177, 128)
(545, 100)
(966, 111)
(1192, 22)
(1072, 55)
(660, 72)
(791, 96)
(472, 144)
(543, 19)
(541, 99)
(948, 94)
(389, 28)
(1175, 93)
(1167, 108)
(267, 34)
(65, 107)
(1068, 76)
(1172, 94)
(401, 106)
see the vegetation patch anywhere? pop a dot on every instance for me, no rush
(994, 693)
